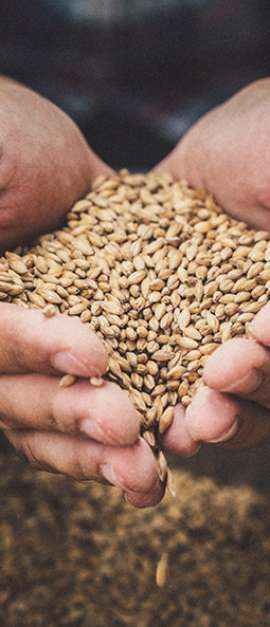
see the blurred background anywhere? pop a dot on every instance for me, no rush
(135, 74)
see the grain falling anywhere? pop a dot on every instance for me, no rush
(159, 272)
(162, 571)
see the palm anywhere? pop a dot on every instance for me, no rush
(227, 152)
(46, 165)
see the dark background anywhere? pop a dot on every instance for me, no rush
(134, 84)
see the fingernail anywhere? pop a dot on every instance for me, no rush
(228, 435)
(93, 429)
(248, 384)
(90, 427)
(109, 474)
(66, 362)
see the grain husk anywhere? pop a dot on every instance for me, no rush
(159, 272)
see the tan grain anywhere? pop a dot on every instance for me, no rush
(159, 272)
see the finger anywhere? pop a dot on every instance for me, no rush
(241, 367)
(215, 417)
(133, 469)
(177, 439)
(260, 326)
(209, 418)
(103, 413)
(30, 342)
(148, 499)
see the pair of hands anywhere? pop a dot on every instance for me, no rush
(93, 433)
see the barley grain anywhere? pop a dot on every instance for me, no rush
(96, 381)
(159, 272)
(49, 311)
(67, 380)
(166, 419)
(162, 571)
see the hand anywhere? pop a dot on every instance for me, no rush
(83, 431)
(45, 164)
(227, 153)
(234, 406)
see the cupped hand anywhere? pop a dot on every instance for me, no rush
(227, 152)
(45, 164)
(82, 431)
(233, 408)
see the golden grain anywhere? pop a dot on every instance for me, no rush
(159, 272)
(166, 419)
(162, 571)
(67, 380)
(96, 381)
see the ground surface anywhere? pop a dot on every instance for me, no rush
(76, 555)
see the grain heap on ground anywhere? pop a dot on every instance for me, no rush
(87, 559)
(158, 271)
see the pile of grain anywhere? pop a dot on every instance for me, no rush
(159, 272)
(74, 554)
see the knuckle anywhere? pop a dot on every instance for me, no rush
(56, 409)
(82, 469)
(27, 449)
(62, 416)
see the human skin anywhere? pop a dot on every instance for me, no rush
(227, 152)
(45, 166)
(44, 422)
